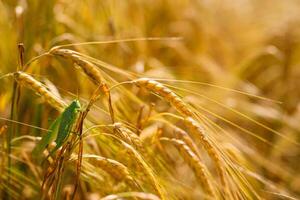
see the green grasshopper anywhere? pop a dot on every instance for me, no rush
(59, 129)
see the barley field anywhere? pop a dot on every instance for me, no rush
(149, 99)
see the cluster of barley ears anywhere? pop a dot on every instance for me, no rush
(145, 130)
(126, 155)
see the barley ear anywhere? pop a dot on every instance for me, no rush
(36, 86)
(166, 93)
(195, 164)
(199, 133)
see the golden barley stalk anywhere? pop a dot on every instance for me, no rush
(128, 136)
(112, 167)
(33, 84)
(165, 93)
(133, 195)
(194, 162)
(89, 68)
(198, 132)
(184, 136)
(148, 172)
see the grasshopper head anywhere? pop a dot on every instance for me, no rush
(75, 105)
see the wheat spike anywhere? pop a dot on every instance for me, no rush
(194, 162)
(198, 132)
(38, 87)
(165, 93)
